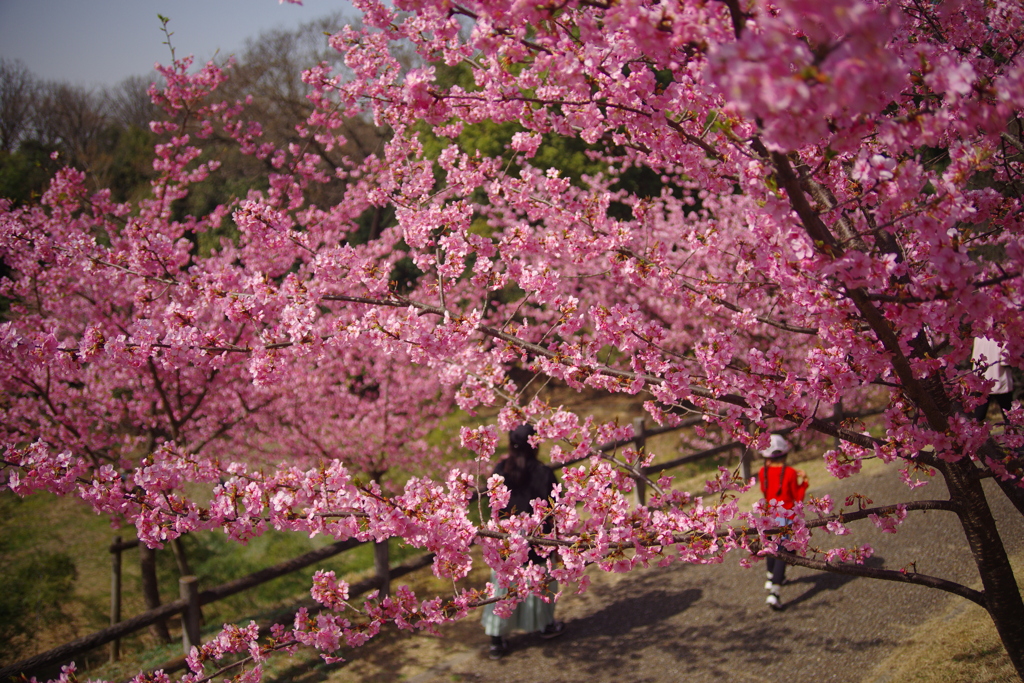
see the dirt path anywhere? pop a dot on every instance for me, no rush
(708, 623)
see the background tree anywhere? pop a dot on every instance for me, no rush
(128, 103)
(72, 118)
(16, 96)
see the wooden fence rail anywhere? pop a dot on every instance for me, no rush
(383, 574)
(641, 434)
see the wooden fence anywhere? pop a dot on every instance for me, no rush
(191, 598)
(191, 601)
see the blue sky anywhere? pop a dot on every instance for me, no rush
(99, 42)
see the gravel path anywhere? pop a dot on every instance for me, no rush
(710, 623)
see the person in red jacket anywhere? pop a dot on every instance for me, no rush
(784, 485)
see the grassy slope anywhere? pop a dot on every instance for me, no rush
(42, 525)
(961, 646)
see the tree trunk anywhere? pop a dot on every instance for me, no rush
(382, 567)
(115, 596)
(151, 590)
(180, 558)
(381, 552)
(1002, 596)
(184, 570)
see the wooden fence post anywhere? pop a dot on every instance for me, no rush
(188, 589)
(746, 457)
(382, 567)
(182, 560)
(641, 444)
(115, 595)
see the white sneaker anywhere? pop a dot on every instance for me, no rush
(773, 601)
(768, 584)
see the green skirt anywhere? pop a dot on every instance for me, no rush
(532, 614)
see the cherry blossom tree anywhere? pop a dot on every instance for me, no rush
(830, 212)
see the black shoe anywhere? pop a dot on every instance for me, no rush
(553, 630)
(499, 647)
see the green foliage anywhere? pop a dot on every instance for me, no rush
(568, 155)
(33, 590)
(129, 167)
(121, 160)
(37, 582)
(234, 179)
(25, 173)
(571, 156)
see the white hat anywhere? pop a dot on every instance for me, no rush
(777, 448)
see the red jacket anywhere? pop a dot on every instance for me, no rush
(779, 483)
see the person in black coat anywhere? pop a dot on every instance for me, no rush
(527, 479)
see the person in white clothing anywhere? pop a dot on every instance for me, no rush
(990, 355)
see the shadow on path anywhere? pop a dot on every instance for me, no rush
(827, 581)
(700, 623)
(603, 645)
(633, 612)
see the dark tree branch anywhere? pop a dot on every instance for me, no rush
(974, 596)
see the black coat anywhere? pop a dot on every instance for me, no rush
(538, 482)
